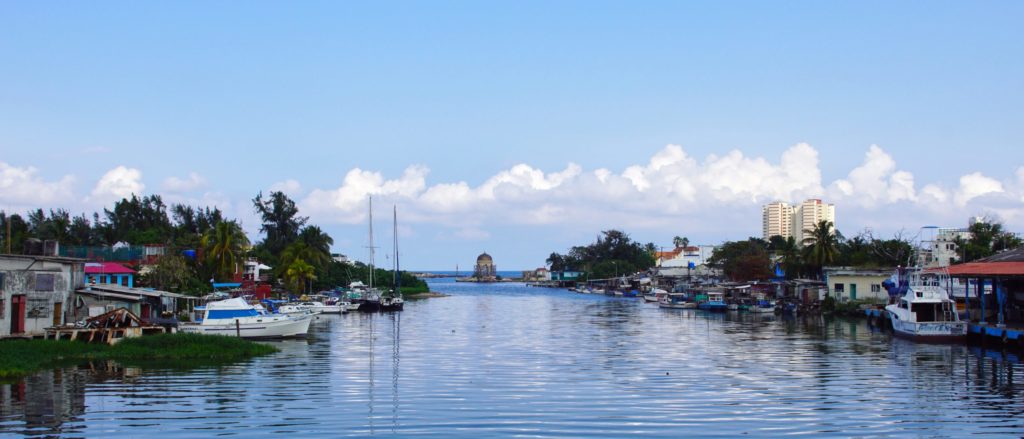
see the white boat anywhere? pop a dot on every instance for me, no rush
(323, 308)
(923, 310)
(236, 317)
(763, 306)
(676, 301)
(297, 308)
(655, 295)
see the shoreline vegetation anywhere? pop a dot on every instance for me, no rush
(19, 358)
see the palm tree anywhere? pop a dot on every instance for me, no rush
(298, 273)
(224, 246)
(318, 245)
(789, 256)
(821, 245)
(677, 241)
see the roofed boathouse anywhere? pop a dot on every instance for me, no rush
(998, 312)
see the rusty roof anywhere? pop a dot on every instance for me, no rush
(987, 269)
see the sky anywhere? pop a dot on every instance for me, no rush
(519, 128)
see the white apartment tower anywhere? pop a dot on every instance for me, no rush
(781, 219)
(810, 213)
(777, 219)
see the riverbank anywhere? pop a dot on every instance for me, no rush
(22, 357)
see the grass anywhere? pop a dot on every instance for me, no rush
(22, 357)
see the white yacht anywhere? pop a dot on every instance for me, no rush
(922, 310)
(236, 317)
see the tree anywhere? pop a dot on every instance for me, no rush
(986, 238)
(19, 232)
(174, 273)
(613, 252)
(821, 245)
(298, 274)
(789, 257)
(281, 222)
(225, 245)
(318, 244)
(743, 260)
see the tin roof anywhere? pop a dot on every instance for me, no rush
(107, 268)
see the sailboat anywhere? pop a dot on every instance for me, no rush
(393, 301)
(371, 296)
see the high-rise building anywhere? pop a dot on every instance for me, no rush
(781, 219)
(777, 220)
(808, 214)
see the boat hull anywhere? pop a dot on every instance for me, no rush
(269, 328)
(685, 305)
(928, 332)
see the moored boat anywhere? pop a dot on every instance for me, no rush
(714, 302)
(923, 310)
(676, 301)
(236, 317)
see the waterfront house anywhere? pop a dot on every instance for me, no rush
(147, 303)
(851, 283)
(109, 273)
(36, 292)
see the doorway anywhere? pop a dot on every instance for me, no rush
(18, 313)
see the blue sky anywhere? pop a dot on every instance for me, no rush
(490, 124)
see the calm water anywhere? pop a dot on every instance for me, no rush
(502, 360)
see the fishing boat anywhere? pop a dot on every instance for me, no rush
(393, 301)
(922, 310)
(236, 317)
(714, 302)
(676, 301)
(655, 295)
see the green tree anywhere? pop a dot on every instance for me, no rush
(986, 238)
(298, 274)
(821, 245)
(318, 244)
(743, 260)
(281, 220)
(225, 245)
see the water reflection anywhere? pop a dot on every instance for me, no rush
(514, 361)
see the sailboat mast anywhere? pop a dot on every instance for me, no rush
(371, 241)
(397, 274)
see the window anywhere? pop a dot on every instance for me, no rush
(44, 282)
(839, 288)
(876, 288)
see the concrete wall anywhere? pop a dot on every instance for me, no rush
(23, 276)
(863, 283)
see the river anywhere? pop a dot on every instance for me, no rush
(504, 359)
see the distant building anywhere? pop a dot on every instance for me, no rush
(485, 268)
(776, 220)
(684, 256)
(109, 273)
(808, 214)
(782, 219)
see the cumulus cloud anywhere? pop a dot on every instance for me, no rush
(671, 185)
(117, 183)
(24, 186)
(875, 182)
(975, 185)
(192, 182)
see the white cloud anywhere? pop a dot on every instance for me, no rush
(975, 185)
(875, 182)
(24, 187)
(192, 182)
(120, 182)
(290, 186)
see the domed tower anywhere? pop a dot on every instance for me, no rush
(484, 268)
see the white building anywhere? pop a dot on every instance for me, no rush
(36, 292)
(777, 220)
(781, 219)
(683, 257)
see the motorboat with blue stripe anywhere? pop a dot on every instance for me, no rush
(236, 317)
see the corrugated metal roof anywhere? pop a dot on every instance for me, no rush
(107, 268)
(134, 291)
(1015, 255)
(987, 269)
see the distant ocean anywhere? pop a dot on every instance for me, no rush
(502, 273)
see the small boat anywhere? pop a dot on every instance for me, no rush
(630, 293)
(732, 307)
(763, 306)
(654, 295)
(714, 303)
(236, 317)
(393, 301)
(676, 301)
(923, 310)
(323, 308)
(597, 291)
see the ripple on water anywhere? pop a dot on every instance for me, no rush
(506, 360)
